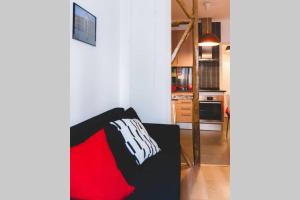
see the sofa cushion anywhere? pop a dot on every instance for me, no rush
(94, 174)
(166, 136)
(83, 130)
(159, 179)
(130, 144)
(136, 139)
(125, 161)
(130, 113)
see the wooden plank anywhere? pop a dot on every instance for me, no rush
(184, 9)
(181, 66)
(179, 22)
(208, 182)
(185, 55)
(183, 38)
(185, 157)
(195, 80)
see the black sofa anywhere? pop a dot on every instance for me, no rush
(158, 177)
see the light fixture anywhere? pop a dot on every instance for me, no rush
(207, 38)
(227, 48)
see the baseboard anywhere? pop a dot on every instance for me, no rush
(203, 126)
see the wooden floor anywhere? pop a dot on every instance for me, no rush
(209, 182)
(214, 148)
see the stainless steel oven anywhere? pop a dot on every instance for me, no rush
(211, 108)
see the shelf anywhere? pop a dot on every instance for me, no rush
(182, 66)
(207, 60)
(183, 92)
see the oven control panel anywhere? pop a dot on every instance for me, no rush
(210, 98)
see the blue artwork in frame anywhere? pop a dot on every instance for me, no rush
(84, 25)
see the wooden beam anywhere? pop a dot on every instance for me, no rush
(185, 157)
(179, 22)
(183, 38)
(183, 7)
(195, 80)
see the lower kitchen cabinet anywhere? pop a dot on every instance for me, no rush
(183, 111)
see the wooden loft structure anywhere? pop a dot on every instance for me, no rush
(192, 28)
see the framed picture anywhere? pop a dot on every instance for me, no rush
(84, 25)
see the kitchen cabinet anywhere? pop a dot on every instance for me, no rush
(182, 107)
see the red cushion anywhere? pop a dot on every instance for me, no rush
(93, 171)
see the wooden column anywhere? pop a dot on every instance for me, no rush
(195, 80)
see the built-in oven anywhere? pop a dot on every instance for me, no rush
(211, 108)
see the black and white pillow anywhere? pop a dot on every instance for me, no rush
(137, 140)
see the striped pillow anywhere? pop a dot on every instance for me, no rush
(137, 140)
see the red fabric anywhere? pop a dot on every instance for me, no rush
(93, 171)
(227, 111)
(173, 88)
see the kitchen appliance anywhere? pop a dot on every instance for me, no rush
(209, 63)
(208, 39)
(211, 108)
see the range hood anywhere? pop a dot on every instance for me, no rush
(206, 54)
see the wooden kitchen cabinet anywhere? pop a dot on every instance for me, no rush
(183, 111)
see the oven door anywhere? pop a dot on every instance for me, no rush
(211, 111)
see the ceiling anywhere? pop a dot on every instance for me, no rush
(218, 9)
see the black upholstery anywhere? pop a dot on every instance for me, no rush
(158, 178)
(131, 114)
(166, 136)
(124, 159)
(82, 131)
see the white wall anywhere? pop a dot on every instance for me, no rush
(125, 31)
(130, 65)
(225, 69)
(225, 30)
(94, 71)
(146, 35)
(225, 58)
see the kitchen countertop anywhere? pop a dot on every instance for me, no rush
(212, 90)
(191, 92)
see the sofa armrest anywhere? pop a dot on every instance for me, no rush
(166, 136)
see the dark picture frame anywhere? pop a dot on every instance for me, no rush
(84, 25)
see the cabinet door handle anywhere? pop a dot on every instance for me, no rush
(186, 115)
(185, 108)
(186, 102)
